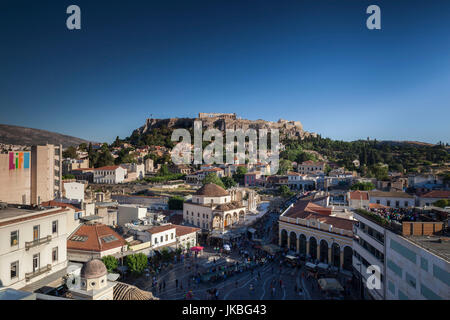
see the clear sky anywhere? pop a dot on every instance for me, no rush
(313, 61)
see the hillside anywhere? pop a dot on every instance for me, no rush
(27, 136)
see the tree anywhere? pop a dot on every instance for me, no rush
(68, 176)
(164, 171)
(111, 263)
(176, 203)
(239, 175)
(105, 158)
(70, 152)
(285, 192)
(82, 147)
(285, 166)
(364, 186)
(442, 203)
(228, 182)
(136, 263)
(213, 178)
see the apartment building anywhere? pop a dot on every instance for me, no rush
(412, 256)
(110, 174)
(128, 213)
(392, 199)
(33, 247)
(68, 165)
(31, 177)
(311, 167)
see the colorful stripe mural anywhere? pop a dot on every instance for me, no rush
(19, 160)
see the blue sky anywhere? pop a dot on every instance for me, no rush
(312, 61)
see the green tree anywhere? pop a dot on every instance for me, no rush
(163, 171)
(136, 263)
(239, 175)
(176, 203)
(82, 147)
(363, 186)
(213, 178)
(68, 176)
(111, 263)
(228, 182)
(70, 152)
(105, 158)
(284, 166)
(442, 203)
(285, 192)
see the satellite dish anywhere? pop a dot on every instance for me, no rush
(72, 281)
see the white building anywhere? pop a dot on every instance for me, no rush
(429, 198)
(418, 268)
(134, 171)
(211, 207)
(110, 174)
(412, 258)
(33, 245)
(73, 190)
(128, 213)
(369, 249)
(392, 199)
(159, 236)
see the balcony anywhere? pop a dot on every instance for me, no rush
(38, 242)
(38, 272)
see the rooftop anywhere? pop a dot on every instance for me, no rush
(19, 213)
(389, 194)
(211, 190)
(95, 237)
(439, 245)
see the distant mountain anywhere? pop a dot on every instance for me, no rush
(28, 136)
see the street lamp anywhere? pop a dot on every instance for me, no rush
(360, 280)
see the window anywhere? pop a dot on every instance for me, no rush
(402, 296)
(36, 262)
(441, 274)
(424, 263)
(171, 236)
(14, 269)
(156, 240)
(167, 237)
(391, 287)
(428, 293)
(406, 203)
(378, 201)
(388, 203)
(55, 254)
(395, 268)
(405, 252)
(410, 280)
(162, 238)
(35, 233)
(397, 204)
(55, 226)
(14, 238)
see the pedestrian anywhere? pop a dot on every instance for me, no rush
(164, 284)
(160, 287)
(295, 288)
(181, 285)
(176, 283)
(281, 283)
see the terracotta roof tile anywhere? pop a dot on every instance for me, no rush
(95, 241)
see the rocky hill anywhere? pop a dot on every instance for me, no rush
(27, 136)
(289, 129)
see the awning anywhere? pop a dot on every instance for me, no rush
(291, 257)
(197, 249)
(322, 266)
(251, 230)
(310, 265)
(330, 284)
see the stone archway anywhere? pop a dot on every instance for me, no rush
(335, 255)
(283, 238)
(323, 251)
(302, 243)
(228, 220)
(235, 217)
(293, 241)
(217, 222)
(348, 256)
(313, 248)
(241, 214)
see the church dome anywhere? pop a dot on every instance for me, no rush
(93, 269)
(211, 190)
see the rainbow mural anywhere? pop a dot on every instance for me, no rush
(19, 160)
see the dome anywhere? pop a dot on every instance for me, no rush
(93, 269)
(211, 190)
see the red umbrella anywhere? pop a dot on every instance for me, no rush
(197, 248)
